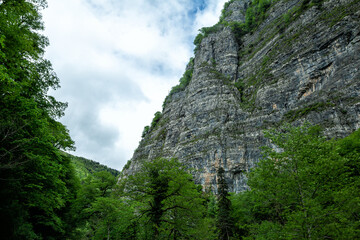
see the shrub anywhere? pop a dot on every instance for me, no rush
(183, 82)
(155, 120)
(145, 131)
(204, 32)
(127, 165)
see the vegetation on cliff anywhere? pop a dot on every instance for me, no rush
(305, 187)
(255, 14)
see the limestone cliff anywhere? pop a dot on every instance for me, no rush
(300, 63)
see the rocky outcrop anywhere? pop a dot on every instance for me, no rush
(300, 64)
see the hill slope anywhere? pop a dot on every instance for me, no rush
(83, 167)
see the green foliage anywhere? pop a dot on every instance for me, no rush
(339, 12)
(306, 190)
(287, 17)
(156, 119)
(98, 211)
(225, 12)
(145, 131)
(38, 184)
(349, 148)
(197, 41)
(252, 85)
(85, 167)
(111, 219)
(304, 5)
(212, 207)
(255, 15)
(183, 82)
(239, 30)
(292, 115)
(331, 17)
(204, 32)
(240, 87)
(127, 165)
(225, 222)
(168, 203)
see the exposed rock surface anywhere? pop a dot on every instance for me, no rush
(304, 69)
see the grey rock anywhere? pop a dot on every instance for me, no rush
(306, 71)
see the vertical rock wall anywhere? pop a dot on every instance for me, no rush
(305, 69)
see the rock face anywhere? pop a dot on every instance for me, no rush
(305, 68)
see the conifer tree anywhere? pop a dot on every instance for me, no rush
(225, 222)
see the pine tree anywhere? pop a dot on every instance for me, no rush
(225, 222)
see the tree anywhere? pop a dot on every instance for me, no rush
(36, 182)
(100, 212)
(169, 204)
(225, 222)
(305, 188)
(111, 218)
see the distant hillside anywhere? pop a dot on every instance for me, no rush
(84, 167)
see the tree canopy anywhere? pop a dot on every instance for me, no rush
(305, 188)
(169, 204)
(36, 178)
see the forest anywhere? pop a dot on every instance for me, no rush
(307, 187)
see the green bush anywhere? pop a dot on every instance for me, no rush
(239, 30)
(240, 86)
(145, 131)
(156, 119)
(183, 82)
(255, 15)
(204, 32)
(127, 165)
(197, 40)
(224, 12)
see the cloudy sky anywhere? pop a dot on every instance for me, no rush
(117, 60)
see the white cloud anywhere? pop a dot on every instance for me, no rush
(209, 17)
(117, 60)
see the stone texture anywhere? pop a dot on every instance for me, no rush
(306, 71)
